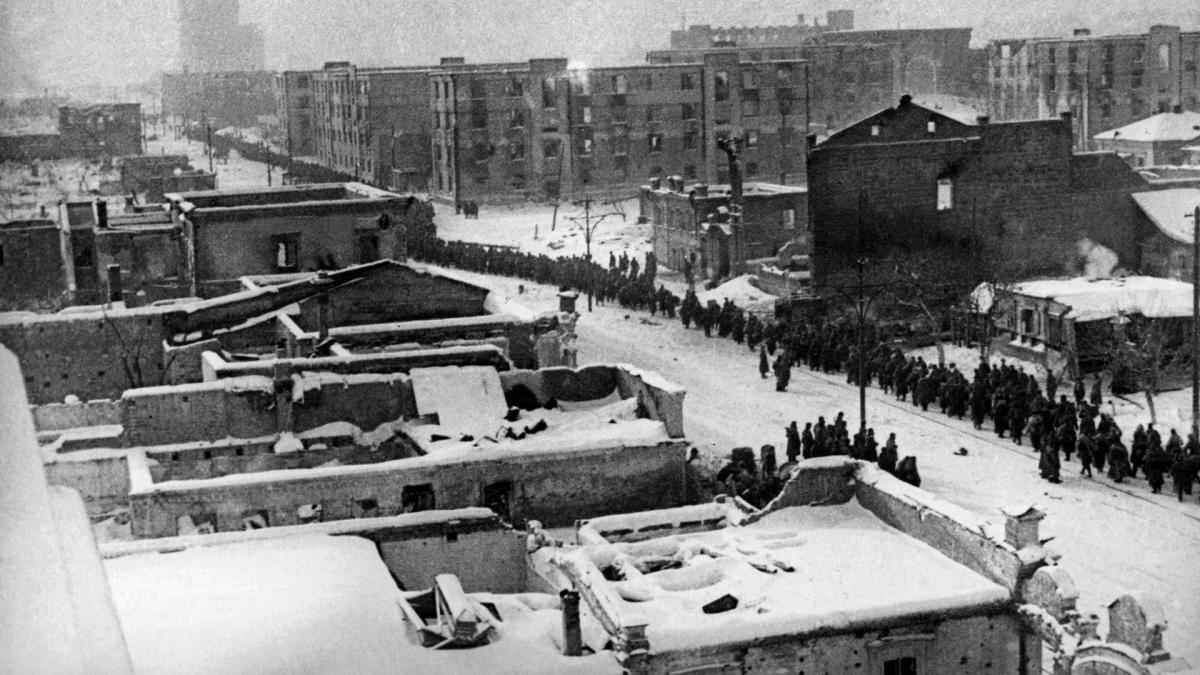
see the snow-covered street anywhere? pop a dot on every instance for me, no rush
(1113, 538)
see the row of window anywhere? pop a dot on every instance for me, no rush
(286, 247)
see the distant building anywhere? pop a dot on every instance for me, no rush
(1157, 140)
(927, 60)
(843, 82)
(99, 131)
(211, 40)
(544, 129)
(1104, 81)
(694, 224)
(294, 106)
(1010, 196)
(371, 124)
(219, 99)
(233, 233)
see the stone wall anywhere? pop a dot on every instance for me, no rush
(554, 487)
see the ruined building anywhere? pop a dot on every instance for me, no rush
(1104, 81)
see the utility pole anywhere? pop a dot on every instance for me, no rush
(1195, 216)
(208, 136)
(589, 229)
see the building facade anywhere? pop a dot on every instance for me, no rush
(102, 130)
(843, 82)
(544, 130)
(293, 91)
(372, 123)
(1010, 196)
(1105, 81)
(928, 60)
(1158, 140)
(693, 223)
(211, 40)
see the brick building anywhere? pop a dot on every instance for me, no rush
(546, 129)
(102, 130)
(373, 123)
(232, 233)
(211, 40)
(1007, 195)
(1158, 140)
(293, 91)
(844, 82)
(1105, 82)
(928, 60)
(694, 224)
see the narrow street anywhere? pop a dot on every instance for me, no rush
(1105, 532)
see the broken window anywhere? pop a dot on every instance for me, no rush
(905, 665)
(516, 118)
(789, 219)
(688, 111)
(619, 84)
(287, 251)
(721, 85)
(549, 93)
(751, 138)
(309, 513)
(198, 520)
(366, 508)
(655, 142)
(366, 244)
(550, 147)
(256, 519)
(687, 81)
(516, 87)
(498, 498)
(945, 194)
(417, 498)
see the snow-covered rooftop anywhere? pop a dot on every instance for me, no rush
(845, 569)
(1169, 210)
(1096, 299)
(313, 604)
(1168, 126)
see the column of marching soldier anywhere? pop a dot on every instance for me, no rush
(1057, 426)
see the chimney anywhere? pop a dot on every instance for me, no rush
(115, 293)
(42, 210)
(1081, 32)
(905, 100)
(1178, 109)
(100, 207)
(982, 120)
(1021, 526)
(700, 190)
(655, 183)
(572, 635)
(1065, 115)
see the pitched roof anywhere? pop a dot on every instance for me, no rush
(1169, 126)
(1169, 210)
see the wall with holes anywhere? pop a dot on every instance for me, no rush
(975, 645)
(89, 354)
(554, 487)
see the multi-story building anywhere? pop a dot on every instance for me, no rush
(1157, 140)
(844, 83)
(705, 36)
(927, 60)
(373, 123)
(1104, 81)
(211, 39)
(546, 129)
(294, 112)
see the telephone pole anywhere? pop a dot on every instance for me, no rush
(1195, 216)
(589, 228)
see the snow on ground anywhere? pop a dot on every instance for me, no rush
(236, 172)
(1114, 538)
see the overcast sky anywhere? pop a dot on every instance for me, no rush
(71, 43)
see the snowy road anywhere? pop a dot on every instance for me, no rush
(1114, 538)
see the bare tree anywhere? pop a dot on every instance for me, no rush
(1147, 354)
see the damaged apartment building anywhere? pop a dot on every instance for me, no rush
(198, 244)
(358, 583)
(382, 388)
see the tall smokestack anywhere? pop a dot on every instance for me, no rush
(115, 292)
(572, 634)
